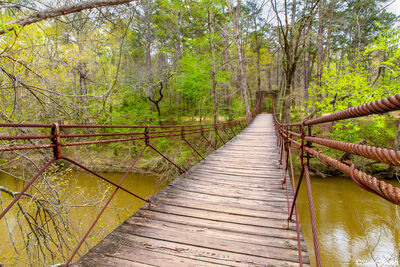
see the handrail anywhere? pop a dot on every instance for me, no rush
(157, 134)
(286, 139)
(41, 125)
(223, 131)
(381, 106)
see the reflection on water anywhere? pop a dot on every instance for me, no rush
(355, 228)
(85, 195)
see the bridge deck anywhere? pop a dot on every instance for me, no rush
(229, 210)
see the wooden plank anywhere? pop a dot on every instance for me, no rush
(235, 180)
(233, 188)
(235, 165)
(191, 181)
(272, 207)
(237, 171)
(220, 225)
(221, 216)
(225, 192)
(272, 180)
(209, 242)
(157, 258)
(242, 237)
(118, 253)
(241, 176)
(249, 211)
(230, 199)
(198, 252)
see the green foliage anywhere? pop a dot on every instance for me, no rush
(357, 23)
(348, 84)
(238, 107)
(194, 80)
(134, 109)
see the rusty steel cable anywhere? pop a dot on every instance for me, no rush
(181, 169)
(103, 178)
(282, 139)
(312, 216)
(136, 126)
(191, 146)
(388, 156)
(26, 137)
(21, 193)
(25, 125)
(286, 156)
(157, 134)
(164, 173)
(361, 179)
(219, 136)
(88, 126)
(105, 206)
(381, 106)
(208, 141)
(295, 206)
(82, 143)
(378, 187)
(193, 152)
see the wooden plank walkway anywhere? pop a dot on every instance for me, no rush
(228, 210)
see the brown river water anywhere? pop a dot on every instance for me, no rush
(355, 228)
(85, 195)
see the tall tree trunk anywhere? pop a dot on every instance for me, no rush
(309, 67)
(269, 78)
(277, 72)
(289, 78)
(83, 75)
(292, 41)
(149, 72)
(238, 41)
(306, 64)
(226, 68)
(83, 89)
(258, 47)
(179, 52)
(328, 35)
(320, 39)
(213, 67)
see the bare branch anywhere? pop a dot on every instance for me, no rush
(56, 12)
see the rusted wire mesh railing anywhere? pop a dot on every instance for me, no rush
(58, 138)
(286, 137)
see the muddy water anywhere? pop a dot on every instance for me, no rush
(355, 228)
(84, 195)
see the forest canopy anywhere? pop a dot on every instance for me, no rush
(131, 62)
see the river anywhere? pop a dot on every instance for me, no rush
(85, 195)
(355, 228)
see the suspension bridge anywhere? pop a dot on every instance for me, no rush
(228, 210)
(236, 207)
